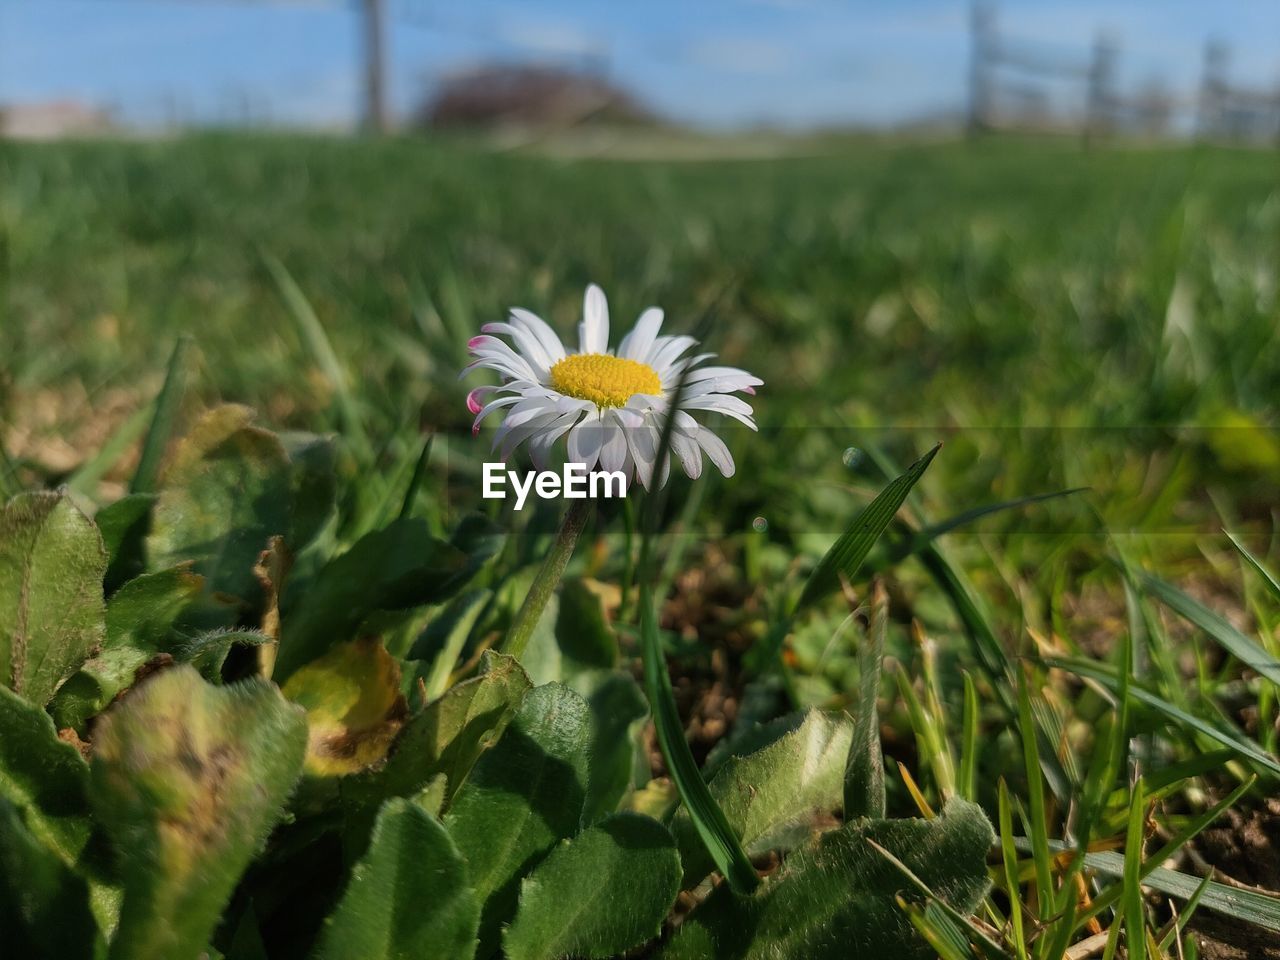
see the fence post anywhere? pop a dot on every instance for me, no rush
(982, 34)
(1213, 91)
(375, 105)
(1098, 116)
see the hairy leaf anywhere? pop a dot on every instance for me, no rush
(599, 894)
(44, 906)
(836, 899)
(140, 618)
(46, 779)
(523, 796)
(226, 492)
(52, 562)
(188, 779)
(408, 896)
(773, 795)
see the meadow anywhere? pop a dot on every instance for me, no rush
(1067, 638)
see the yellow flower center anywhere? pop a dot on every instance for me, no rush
(604, 380)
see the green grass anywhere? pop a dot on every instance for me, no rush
(1059, 319)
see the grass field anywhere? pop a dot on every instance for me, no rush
(1103, 322)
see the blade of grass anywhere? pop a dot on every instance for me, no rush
(1179, 923)
(1242, 746)
(1243, 905)
(1010, 857)
(1184, 835)
(1135, 917)
(937, 929)
(415, 481)
(1035, 797)
(848, 552)
(317, 341)
(927, 534)
(1247, 651)
(163, 421)
(709, 820)
(91, 471)
(864, 766)
(968, 785)
(1268, 577)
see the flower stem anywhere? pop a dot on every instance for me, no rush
(544, 584)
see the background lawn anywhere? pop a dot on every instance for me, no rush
(1061, 319)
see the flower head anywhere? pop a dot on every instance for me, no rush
(612, 406)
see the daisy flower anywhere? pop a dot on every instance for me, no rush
(611, 405)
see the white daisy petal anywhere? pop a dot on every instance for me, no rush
(489, 407)
(593, 332)
(585, 440)
(486, 347)
(526, 343)
(635, 345)
(613, 450)
(717, 403)
(643, 448)
(687, 449)
(541, 444)
(526, 431)
(665, 352)
(725, 375)
(716, 451)
(540, 329)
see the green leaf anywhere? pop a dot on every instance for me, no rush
(1247, 651)
(719, 840)
(225, 494)
(599, 894)
(773, 796)
(52, 562)
(313, 483)
(140, 619)
(847, 553)
(448, 735)
(618, 708)
(44, 907)
(840, 894)
(397, 568)
(408, 896)
(523, 796)
(188, 779)
(582, 633)
(123, 526)
(46, 779)
(864, 766)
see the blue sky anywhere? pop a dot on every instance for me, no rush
(718, 62)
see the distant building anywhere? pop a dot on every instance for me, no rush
(52, 120)
(530, 96)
